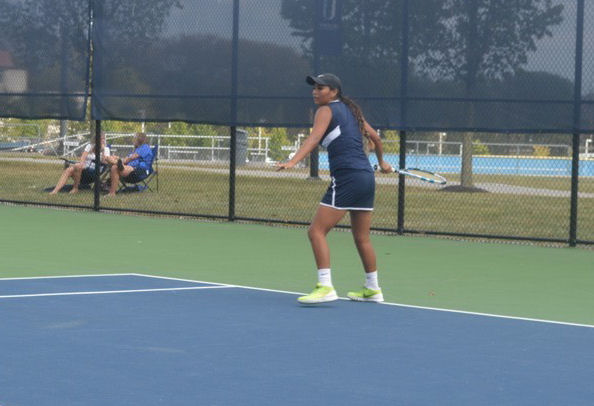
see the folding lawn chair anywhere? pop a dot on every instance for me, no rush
(132, 183)
(85, 181)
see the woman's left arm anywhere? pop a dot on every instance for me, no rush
(130, 158)
(373, 136)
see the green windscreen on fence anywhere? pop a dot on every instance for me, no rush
(44, 58)
(460, 65)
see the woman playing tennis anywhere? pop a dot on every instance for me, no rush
(339, 126)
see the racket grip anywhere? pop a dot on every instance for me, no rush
(377, 168)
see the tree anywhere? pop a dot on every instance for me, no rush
(369, 61)
(50, 39)
(199, 82)
(481, 41)
(462, 48)
(278, 138)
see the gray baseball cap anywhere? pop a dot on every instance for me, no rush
(325, 79)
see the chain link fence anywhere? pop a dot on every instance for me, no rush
(519, 190)
(498, 96)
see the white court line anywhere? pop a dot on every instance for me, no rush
(217, 283)
(499, 316)
(68, 276)
(222, 285)
(437, 309)
(105, 292)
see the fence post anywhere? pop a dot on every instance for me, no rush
(232, 169)
(403, 115)
(233, 129)
(314, 163)
(401, 185)
(314, 155)
(577, 106)
(98, 152)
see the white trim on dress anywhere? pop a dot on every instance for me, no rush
(347, 208)
(332, 135)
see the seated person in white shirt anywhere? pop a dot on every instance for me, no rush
(84, 169)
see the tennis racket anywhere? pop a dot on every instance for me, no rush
(421, 174)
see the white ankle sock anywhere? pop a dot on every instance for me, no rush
(325, 277)
(371, 280)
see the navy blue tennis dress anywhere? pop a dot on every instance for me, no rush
(353, 183)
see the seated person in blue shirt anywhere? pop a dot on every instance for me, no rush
(134, 167)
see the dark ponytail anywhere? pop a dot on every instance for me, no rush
(356, 110)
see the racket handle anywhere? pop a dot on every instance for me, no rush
(377, 168)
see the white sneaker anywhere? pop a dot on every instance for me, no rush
(367, 295)
(320, 294)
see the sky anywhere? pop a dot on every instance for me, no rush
(555, 56)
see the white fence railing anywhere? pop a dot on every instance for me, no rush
(211, 147)
(257, 149)
(422, 147)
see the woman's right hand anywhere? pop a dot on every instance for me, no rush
(386, 167)
(284, 165)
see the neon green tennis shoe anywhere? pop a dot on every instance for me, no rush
(320, 294)
(367, 295)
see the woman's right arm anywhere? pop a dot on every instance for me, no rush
(321, 122)
(83, 157)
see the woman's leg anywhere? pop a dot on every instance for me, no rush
(324, 220)
(63, 179)
(111, 160)
(115, 177)
(361, 226)
(76, 175)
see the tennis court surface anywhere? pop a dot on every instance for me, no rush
(109, 309)
(132, 339)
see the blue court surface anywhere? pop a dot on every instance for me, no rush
(142, 340)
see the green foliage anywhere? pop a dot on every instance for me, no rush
(44, 129)
(541, 150)
(121, 126)
(181, 128)
(172, 128)
(391, 141)
(14, 128)
(478, 148)
(278, 138)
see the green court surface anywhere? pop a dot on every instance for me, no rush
(496, 278)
